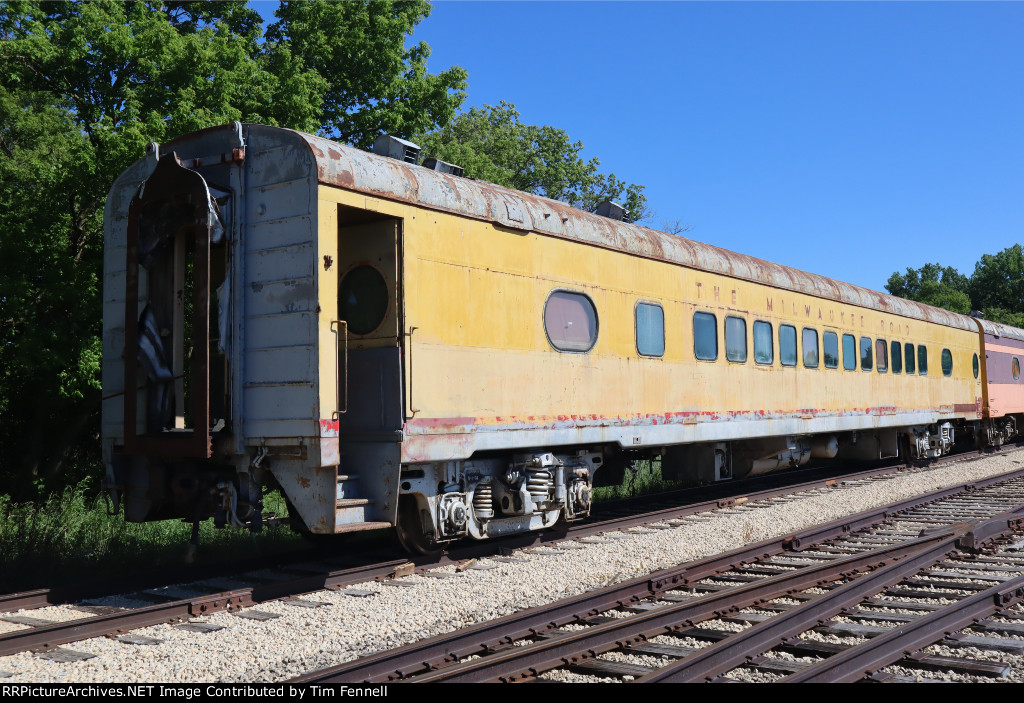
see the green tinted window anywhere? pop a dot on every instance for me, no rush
(830, 342)
(705, 336)
(810, 342)
(363, 299)
(975, 362)
(849, 352)
(865, 354)
(947, 363)
(764, 349)
(897, 357)
(736, 339)
(922, 359)
(908, 357)
(787, 345)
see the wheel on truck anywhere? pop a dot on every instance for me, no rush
(410, 527)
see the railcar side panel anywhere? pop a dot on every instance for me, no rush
(475, 294)
(1003, 357)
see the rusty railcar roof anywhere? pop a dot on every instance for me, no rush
(390, 179)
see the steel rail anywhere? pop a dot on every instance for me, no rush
(483, 637)
(47, 636)
(730, 501)
(723, 656)
(486, 637)
(864, 659)
(43, 597)
(519, 663)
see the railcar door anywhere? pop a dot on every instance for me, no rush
(370, 396)
(370, 387)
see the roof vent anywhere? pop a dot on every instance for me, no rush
(611, 210)
(396, 148)
(442, 166)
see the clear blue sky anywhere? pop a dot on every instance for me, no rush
(847, 139)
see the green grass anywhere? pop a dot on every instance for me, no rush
(645, 480)
(70, 538)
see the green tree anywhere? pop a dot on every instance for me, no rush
(997, 286)
(492, 144)
(83, 88)
(373, 83)
(932, 284)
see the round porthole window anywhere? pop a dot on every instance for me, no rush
(570, 320)
(363, 299)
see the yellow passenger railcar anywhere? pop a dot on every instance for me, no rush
(395, 345)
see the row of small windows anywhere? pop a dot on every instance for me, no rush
(872, 354)
(570, 320)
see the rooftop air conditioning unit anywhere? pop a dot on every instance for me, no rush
(611, 210)
(396, 148)
(442, 166)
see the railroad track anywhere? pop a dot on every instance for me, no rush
(617, 514)
(748, 609)
(299, 579)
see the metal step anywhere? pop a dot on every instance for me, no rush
(346, 483)
(344, 503)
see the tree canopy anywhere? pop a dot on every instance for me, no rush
(373, 83)
(492, 144)
(933, 285)
(996, 288)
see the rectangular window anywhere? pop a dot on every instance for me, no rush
(736, 339)
(764, 348)
(705, 336)
(849, 352)
(922, 359)
(787, 345)
(897, 357)
(908, 357)
(865, 354)
(830, 342)
(882, 354)
(650, 329)
(810, 342)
